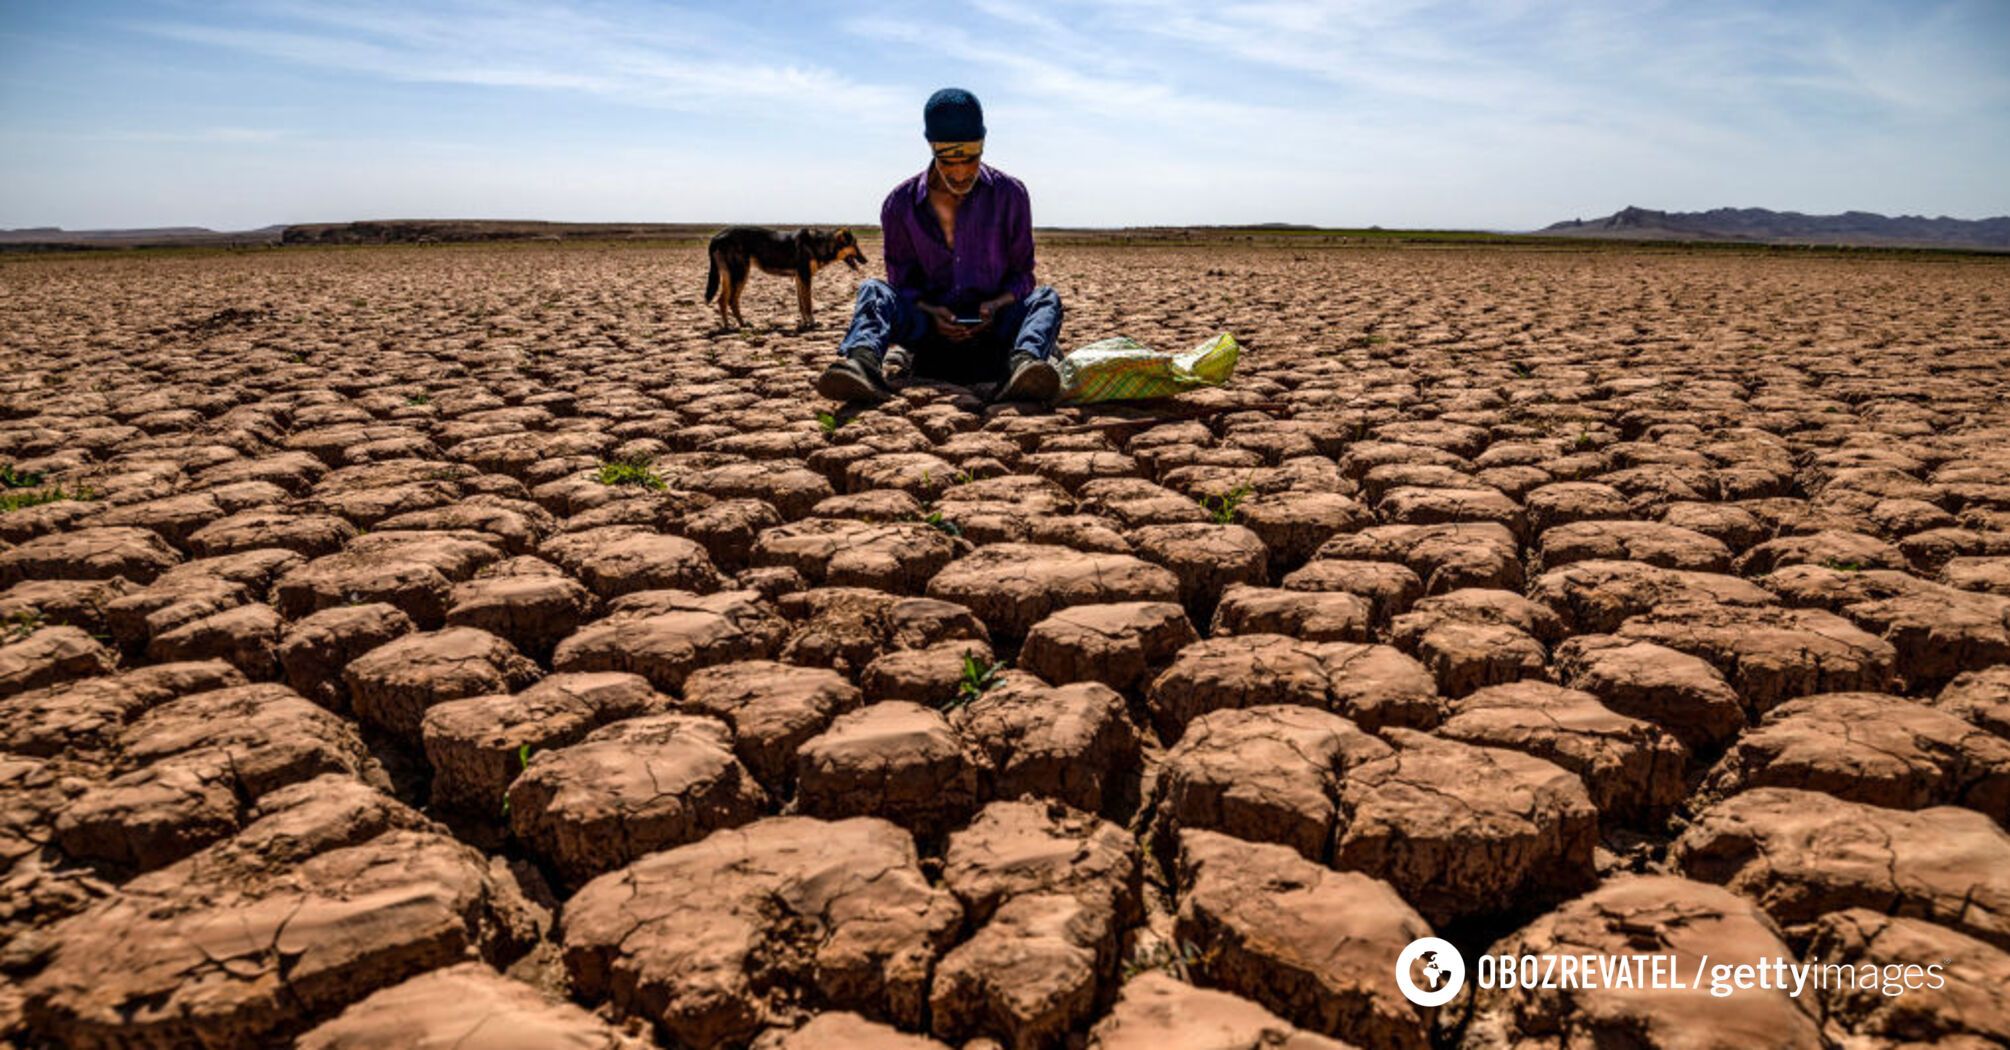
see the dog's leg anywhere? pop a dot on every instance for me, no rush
(738, 287)
(806, 316)
(725, 297)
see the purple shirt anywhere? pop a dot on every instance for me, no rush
(994, 242)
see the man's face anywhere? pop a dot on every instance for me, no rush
(959, 175)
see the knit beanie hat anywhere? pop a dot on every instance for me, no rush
(953, 115)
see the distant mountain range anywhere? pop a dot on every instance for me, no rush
(1763, 226)
(55, 238)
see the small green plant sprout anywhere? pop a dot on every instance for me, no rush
(1522, 370)
(934, 520)
(964, 477)
(978, 678)
(522, 763)
(1177, 962)
(1842, 564)
(12, 479)
(418, 399)
(1585, 442)
(830, 423)
(21, 624)
(629, 472)
(1221, 507)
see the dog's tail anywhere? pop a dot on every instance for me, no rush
(712, 275)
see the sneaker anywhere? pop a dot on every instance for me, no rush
(854, 378)
(1030, 378)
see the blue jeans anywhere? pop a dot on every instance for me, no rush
(881, 318)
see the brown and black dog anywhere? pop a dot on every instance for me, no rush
(801, 254)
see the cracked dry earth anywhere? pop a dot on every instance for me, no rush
(1578, 601)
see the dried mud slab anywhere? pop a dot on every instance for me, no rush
(469, 1007)
(85, 718)
(1872, 748)
(1118, 645)
(1159, 1012)
(1050, 890)
(628, 788)
(98, 553)
(1632, 915)
(1266, 774)
(718, 939)
(1374, 685)
(1445, 556)
(843, 1030)
(664, 636)
(1012, 586)
(477, 745)
(1598, 596)
(893, 759)
(897, 556)
(1461, 830)
(847, 628)
(1801, 854)
(772, 709)
(1972, 1005)
(1313, 616)
(51, 656)
(333, 892)
(186, 773)
(1312, 944)
(1981, 698)
(391, 686)
(1074, 743)
(1631, 769)
(1682, 694)
(1771, 655)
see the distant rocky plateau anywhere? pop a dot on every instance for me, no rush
(1764, 226)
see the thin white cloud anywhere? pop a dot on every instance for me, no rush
(1065, 85)
(210, 135)
(539, 48)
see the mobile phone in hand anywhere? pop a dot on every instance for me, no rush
(971, 321)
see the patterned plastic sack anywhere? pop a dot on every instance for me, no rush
(1123, 369)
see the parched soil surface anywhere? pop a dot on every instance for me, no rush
(472, 647)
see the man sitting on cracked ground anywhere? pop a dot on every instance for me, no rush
(959, 303)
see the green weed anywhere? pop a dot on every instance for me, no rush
(1163, 956)
(12, 480)
(629, 472)
(522, 763)
(12, 499)
(22, 624)
(1222, 508)
(978, 678)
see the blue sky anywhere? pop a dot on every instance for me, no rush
(1503, 115)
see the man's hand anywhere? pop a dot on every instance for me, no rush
(945, 323)
(993, 305)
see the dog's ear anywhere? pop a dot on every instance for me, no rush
(803, 234)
